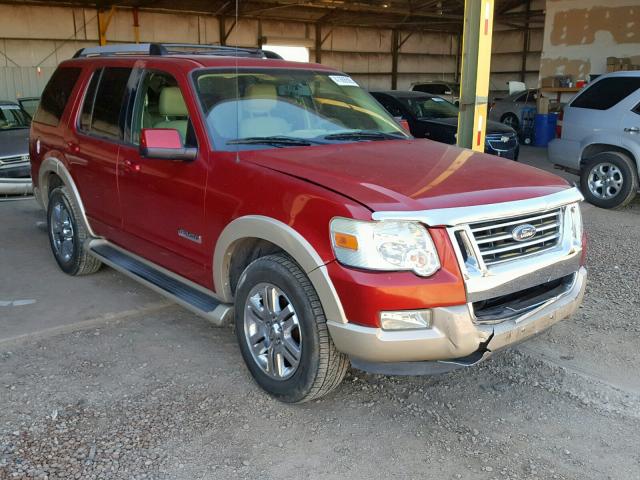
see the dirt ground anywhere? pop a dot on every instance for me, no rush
(102, 379)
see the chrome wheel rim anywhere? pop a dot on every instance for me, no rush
(62, 233)
(272, 331)
(605, 180)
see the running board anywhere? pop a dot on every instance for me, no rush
(162, 281)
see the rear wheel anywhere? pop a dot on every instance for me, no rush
(511, 120)
(282, 332)
(609, 180)
(67, 235)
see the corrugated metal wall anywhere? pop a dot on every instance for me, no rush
(33, 36)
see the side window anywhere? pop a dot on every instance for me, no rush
(522, 98)
(109, 99)
(424, 88)
(606, 93)
(160, 104)
(89, 98)
(390, 106)
(56, 95)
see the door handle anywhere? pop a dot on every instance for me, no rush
(632, 129)
(130, 166)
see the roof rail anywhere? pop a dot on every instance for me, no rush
(171, 49)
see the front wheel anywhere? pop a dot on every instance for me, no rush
(282, 332)
(609, 180)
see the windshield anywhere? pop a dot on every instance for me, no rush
(12, 116)
(279, 108)
(430, 107)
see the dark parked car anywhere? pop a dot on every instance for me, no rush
(15, 168)
(432, 117)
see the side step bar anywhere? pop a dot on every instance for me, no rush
(170, 285)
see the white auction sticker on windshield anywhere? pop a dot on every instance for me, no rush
(343, 81)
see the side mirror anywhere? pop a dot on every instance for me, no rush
(164, 144)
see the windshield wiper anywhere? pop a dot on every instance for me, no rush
(275, 141)
(364, 135)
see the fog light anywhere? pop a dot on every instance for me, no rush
(405, 319)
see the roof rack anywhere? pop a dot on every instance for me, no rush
(162, 49)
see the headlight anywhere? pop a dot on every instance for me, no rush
(385, 245)
(576, 223)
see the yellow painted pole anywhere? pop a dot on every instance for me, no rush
(103, 24)
(476, 65)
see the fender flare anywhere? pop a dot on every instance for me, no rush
(289, 240)
(54, 165)
(603, 139)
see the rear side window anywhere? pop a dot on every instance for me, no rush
(429, 88)
(56, 95)
(606, 93)
(87, 106)
(101, 111)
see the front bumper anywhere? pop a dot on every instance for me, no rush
(15, 186)
(454, 333)
(15, 179)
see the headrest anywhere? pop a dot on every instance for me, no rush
(171, 103)
(260, 98)
(262, 90)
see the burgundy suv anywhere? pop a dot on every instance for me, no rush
(284, 196)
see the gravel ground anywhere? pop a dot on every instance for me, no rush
(160, 394)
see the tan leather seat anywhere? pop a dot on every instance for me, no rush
(172, 107)
(260, 100)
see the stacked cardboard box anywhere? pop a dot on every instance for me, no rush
(616, 64)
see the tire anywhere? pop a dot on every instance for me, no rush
(609, 180)
(511, 120)
(320, 367)
(67, 235)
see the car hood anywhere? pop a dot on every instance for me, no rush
(492, 127)
(397, 175)
(14, 142)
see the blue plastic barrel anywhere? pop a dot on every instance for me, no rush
(541, 130)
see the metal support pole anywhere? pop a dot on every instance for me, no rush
(525, 42)
(136, 25)
(103, 24)
(318, 47)
(223, 30)
(394, 59)
(476, 66)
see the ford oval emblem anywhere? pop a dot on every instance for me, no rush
(523, 232)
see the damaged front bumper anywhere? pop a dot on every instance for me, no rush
(455, 339)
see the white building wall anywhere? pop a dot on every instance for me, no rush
(579, 35)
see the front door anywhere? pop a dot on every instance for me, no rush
(163, 200)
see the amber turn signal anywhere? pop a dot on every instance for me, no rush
(344, 240)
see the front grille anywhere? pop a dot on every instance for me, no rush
(496, 241)
(12, 160)
(504, 141)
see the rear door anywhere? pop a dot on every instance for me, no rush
(163, 200)
(93, 143)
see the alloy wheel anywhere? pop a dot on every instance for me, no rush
(272, 331)
(62, 233)
(605, 180)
